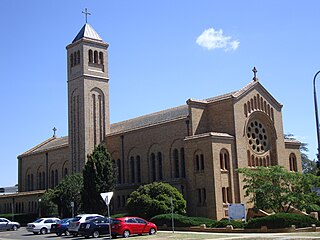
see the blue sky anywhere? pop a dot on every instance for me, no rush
(161, 53)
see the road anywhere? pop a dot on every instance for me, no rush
(23, 234)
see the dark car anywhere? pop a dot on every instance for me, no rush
(61, 227)
(95, 227)
(6, 224)
(126, 226)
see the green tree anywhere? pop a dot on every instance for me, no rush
(47, 206)
(154, 199)
(99, 175)
(275, 188)
(69, 190)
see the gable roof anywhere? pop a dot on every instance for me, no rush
(49, 144)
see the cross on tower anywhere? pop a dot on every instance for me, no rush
(86, 13)
(54, 131)
(254, 70)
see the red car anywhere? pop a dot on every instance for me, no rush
(126, 226)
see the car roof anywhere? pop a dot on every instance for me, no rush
(89, 214)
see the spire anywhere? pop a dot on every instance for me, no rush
(87, 32)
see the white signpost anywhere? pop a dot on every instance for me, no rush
(107, 198)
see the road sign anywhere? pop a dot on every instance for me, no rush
(107, 197)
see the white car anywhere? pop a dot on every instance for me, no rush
(41, 225)
(75, 223)
(6, 224)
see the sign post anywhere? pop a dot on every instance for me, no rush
(107, 198)
(72, 207)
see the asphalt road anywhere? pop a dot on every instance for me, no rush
(23, 234)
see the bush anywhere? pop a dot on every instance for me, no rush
(23, 219)
(282, 220)
(184, 221)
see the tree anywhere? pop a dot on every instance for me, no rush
(69, 190)
(274, 188)
(99, 176)
(47, 206)
(154, 199)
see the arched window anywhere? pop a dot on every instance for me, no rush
(74, 58)
(52, 179)
(176, 163)
(153, 167)
(132, 169)
(78, 57)
(101, 57)
(31, 182)
(56, 178)
(43, 180)
(160, 165)
(71, 59)
(293, 162)
(197, 163)
(95, 57)
(201, 162)
(138, 169)
(65, 172)
(119, 170)
(183, 163)
(39, 181)
(90, 53)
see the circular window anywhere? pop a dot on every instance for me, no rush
(257, 135)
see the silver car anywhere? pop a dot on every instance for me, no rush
(41, 225)
(6, 224)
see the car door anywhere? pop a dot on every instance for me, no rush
(48, 223)
(104, 226)
(141, 225)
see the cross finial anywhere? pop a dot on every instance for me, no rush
(86, 13)
(254, 70)
(54, 131)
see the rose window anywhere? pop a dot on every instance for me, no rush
(257, 137)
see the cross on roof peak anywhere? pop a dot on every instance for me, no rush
(86, 13)
(254, 70)
(54, 131)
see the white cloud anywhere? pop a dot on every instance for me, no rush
(213, 39)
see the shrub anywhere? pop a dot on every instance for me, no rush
(282, 220)
(184, 221)
(23, 219)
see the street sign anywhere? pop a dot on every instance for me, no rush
(106, 197)
(237, 211)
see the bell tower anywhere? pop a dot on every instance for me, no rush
(88, 94)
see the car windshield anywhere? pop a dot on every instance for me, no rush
(65, 220)
(38, 220)
(75, 219)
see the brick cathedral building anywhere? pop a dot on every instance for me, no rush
(195, 147)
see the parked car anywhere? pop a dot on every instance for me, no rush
(95, 227)
(76, 221)
(41, 225)
(126, 226)
(6, 224)
(61, 227)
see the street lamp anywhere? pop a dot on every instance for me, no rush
(39, 205)
(317, 120)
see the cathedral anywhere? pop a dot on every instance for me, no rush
(196, 147)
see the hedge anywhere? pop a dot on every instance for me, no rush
(282, 220)
(23, 219)
(184, 221)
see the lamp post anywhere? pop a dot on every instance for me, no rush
(39, 205)
(317, 120)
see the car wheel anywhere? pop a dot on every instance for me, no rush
(67, 233)
(43, 231)
(86, 236)
(14, 228)
(152, 231)
(58, 234)
(126, 233)
(114, 235)
(95, 234)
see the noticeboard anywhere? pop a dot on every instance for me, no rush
(237, 211)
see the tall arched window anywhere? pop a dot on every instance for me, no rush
(95, 57)
(138, 169)
(176, 163)
(43, 180)
(74, 58)
(31, 182)
(293, 162)
(132, 169)
(202, 162)
(224, 159)
(56, 178)
(78, 57)
(65, 172)
(71, 59)
(90, 53)
(153, 167)
(119, 170)
(160, 165)
(39, 181)
(101, 57)
(52, 179)
(183, 163)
